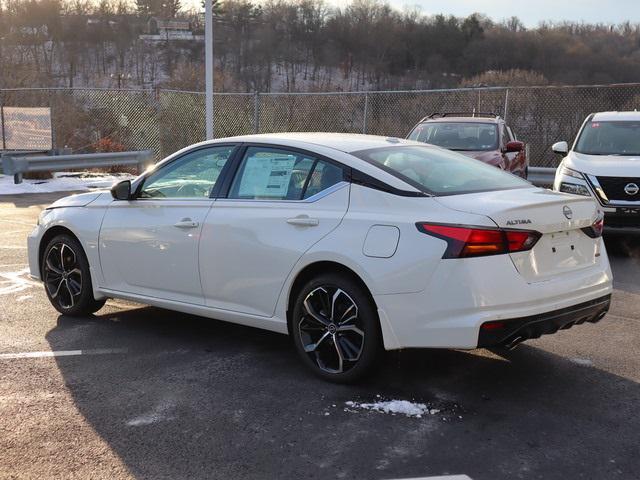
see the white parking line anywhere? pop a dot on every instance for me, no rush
(14, 247)
(62, 353)
(17, 222)
(439, 477)
(13, 282)
(11, 232)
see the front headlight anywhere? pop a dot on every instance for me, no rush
(571, 173)
(572, 181)
(574, 188)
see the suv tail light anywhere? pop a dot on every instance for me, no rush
(469, 241)
(596, 229)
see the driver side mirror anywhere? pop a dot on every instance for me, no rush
(561, 148)
(514, 146)
(121, 190)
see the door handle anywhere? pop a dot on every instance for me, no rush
(186, 223)
(303, 221)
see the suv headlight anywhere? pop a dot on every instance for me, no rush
(576, 183)
(566, 171)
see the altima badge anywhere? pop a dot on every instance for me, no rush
(567, 212)
(525, 221)
(631, 189)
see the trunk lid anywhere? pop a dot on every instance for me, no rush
(560, 217)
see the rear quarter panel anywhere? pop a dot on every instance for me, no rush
(417, 256)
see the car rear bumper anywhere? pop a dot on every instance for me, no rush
(464, 294)
(513, 331)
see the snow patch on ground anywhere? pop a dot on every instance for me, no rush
(61, 182)
(584, 362)
(400, 407)
(157, 414)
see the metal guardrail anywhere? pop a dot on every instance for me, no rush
(19, 165)
(540, 176)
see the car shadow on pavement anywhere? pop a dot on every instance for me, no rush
(189, 397)
(623, 245)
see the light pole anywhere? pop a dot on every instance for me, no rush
(208, 66)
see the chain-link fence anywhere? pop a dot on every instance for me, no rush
(94, 120)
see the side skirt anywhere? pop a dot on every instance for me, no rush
(273, 324)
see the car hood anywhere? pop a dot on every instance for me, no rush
(492, 157)
(77, 200)
(604, 165)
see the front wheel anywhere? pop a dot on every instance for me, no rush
(335, 328)
(67, 281)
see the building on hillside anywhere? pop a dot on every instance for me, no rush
(159, 30)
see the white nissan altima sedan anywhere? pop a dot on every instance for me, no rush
(348, 243)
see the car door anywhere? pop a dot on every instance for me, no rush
(277, 205)
(149, 244)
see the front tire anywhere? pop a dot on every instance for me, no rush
(67, 279)
(335, 328)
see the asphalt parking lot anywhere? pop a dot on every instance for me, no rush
(140, 392)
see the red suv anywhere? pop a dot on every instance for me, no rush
(483, 136)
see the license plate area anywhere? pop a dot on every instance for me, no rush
(557, 253)
(563, 251)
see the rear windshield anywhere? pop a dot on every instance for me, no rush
(610, 138)
(462, 136)
(440, 172)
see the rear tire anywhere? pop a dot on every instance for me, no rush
(67, 278)
(335, 328)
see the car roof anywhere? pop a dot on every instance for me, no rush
(462, 120)
(616, 116)
(343, 142)
(338, 146)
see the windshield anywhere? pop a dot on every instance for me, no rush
(463, 136)
(440, 172)
(609, 138)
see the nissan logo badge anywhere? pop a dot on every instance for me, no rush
(567, 212)
(631, 189)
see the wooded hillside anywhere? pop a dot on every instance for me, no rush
(301, 45)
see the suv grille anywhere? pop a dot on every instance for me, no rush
(614, 188)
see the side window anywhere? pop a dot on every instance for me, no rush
(324, 175)
(190, 176)
(277, 174)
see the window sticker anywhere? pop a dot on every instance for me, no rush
(266, 177)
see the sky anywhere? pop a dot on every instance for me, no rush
(531, 12)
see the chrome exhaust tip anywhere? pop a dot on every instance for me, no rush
(511, 345)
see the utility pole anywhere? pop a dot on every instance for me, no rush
(208, 66)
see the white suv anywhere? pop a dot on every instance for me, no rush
(604, 163)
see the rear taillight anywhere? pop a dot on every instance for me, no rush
(468, 241)
(596, 229)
